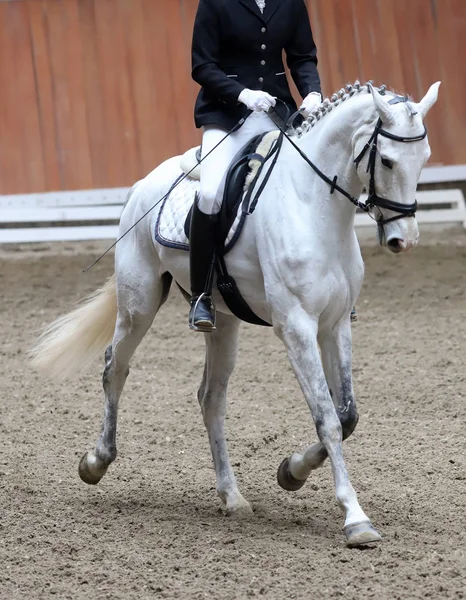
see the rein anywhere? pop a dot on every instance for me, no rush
(373, 200)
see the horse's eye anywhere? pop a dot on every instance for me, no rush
(387, 162)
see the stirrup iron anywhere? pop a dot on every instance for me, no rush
(192, 314)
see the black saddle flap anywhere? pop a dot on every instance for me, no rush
(234, 182)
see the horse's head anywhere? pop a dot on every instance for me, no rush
(390, 154)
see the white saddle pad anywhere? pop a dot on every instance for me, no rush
(169, 229)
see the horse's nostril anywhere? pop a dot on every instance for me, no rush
(395, 244)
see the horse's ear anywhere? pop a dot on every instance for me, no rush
(383, 108)
(429, 100)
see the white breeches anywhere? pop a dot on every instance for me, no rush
(214, 167)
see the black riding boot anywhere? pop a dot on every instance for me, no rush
(202, 247)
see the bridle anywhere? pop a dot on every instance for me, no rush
(404, 210)
(373, 200)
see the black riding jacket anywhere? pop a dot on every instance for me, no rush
(235, 46)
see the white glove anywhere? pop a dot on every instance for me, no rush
(310, 102)
(256, 100)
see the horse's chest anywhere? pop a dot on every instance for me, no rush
(321, 272)
(339, 285)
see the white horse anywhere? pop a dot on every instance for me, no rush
(299, 267)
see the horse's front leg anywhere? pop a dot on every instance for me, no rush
(336, 351)
(299, 333)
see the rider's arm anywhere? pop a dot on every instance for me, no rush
(205, 55)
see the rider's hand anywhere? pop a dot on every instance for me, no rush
(310, 102)
(256, 100)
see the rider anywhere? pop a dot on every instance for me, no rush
(237, 51)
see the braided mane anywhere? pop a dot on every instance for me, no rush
(335, 100)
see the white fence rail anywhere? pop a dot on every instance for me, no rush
(61, 216)
(94, 214)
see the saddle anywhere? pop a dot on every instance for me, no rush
(239, 200)
(242, 173)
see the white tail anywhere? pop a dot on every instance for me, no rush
(73, 341)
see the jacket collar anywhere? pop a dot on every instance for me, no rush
(271, 7)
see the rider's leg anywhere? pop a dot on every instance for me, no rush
(203, 228)
(201, 258)
(206, 209)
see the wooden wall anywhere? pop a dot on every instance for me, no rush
(95, 93)
(407, 44)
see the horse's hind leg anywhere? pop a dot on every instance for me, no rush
(221, 351)
(140, 295)
(335, 346)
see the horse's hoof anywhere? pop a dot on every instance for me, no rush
(243, 511)
(239, 508)
(360, 534)
(285, 478)
(89, 469)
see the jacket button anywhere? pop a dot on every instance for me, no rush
(264, 29)
(262, 62)
(261, 79)
(263, 47)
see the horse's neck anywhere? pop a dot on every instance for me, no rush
(329, 146)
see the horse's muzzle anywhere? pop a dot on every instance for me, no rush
(398, 245)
